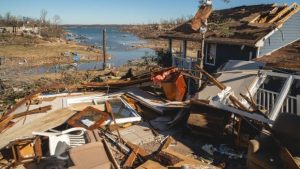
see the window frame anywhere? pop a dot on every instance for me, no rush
(208, 47)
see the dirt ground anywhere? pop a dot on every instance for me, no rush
(19, 54)
(30, 51)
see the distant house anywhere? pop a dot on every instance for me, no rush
(8, 29)
(240, 33)
(30, 29)
(2, 30)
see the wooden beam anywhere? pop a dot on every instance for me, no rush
(274, 10)
(136, 150)
(170, 45)
(34, 111)
(118, 83)
(291, 13)
(6, 119)
(167, 143)
(109, 110)
(255, 18)
(249, 101)
(279, 14)
(109, 153)
(4, 123)
(287, 158)
(103, 48)
(142, 152)
(221, 86)
(184, 48)
(34, 93)
(130, 160)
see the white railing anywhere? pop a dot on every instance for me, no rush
(266, 100)
(290, 105)
(184, 63)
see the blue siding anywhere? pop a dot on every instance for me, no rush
(227, 52)
(291, 33)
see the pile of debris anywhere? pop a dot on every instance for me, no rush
(152, 120)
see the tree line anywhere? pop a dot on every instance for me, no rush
(49, 26)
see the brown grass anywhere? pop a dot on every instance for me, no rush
(40, 52)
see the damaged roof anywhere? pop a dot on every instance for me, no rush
(287, 57)
(239, 25)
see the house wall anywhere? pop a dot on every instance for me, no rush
(225, 52)
(290, 31)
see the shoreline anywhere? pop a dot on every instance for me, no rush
(16, 83)
(42, 52)
(151, 33)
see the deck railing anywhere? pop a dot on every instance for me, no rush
(266, 100)
(184, 63)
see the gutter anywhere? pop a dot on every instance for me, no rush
(261, 42)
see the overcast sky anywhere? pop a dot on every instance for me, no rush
(115, 11)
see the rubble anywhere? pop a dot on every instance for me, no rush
(137, 125)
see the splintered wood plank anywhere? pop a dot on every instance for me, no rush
(6, 120)
(51, 120)
(222, 87)
(141, 152)
(279, 14)
(291, 13)
(34, 111)
(189, 160)
(130, 160)
(4, 123)
(136, 150)
(167, 143)
(109, 110)
(151, 165)
(287, 158)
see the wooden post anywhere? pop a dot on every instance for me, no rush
(184, 48)
(104, 49)
(201, 59)
(221, 86)
(170, 46)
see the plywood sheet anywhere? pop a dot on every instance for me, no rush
(44, 123)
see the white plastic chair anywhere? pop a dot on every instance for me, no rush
(71, 140)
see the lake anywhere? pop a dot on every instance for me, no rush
(118, 43)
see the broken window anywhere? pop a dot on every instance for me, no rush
(90, 118)
(123, 112)
(119, 109)
(211, 54)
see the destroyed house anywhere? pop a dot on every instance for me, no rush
(240, 33)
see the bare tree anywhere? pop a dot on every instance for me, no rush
(43, 16)
(8, 17)
(56, 20)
